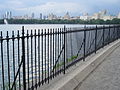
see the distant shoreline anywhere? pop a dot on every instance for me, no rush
(59, 21)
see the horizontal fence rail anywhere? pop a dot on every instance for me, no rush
(31, 58)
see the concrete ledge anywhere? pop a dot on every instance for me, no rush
(74, 78)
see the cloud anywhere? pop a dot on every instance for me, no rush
(14, 4)
(75, 7)
(1, 6)
(97, 2)
(57, 8)
(109, 1)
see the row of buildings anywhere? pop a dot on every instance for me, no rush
(100, 15)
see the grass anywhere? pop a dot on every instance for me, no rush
(67, 61)
(71, 59)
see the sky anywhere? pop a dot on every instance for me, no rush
(59, 7)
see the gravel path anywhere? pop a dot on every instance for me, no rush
(106, 76)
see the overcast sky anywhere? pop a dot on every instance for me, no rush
(59, 7)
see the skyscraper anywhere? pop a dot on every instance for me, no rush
(40, 16)
(44, 17)
(10, 14)
(33, 16)
(6, 14)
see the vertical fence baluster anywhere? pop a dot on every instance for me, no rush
(50, 53)
(66, 44)
(117, 31)
(42, 56)
(39, 56)
(18, 38)
(103, 35)
(91, 42)
(63, 45)
(53, 53)
(58, 51)
(55, 49)
(48, 56)
(88, 43)
(109, 35)
(45, 56)
(96, 39)
(32, 57)
(8, 59)
(35, 61)
(28, 57)
(13, 57)
(84, 43)
(64, 50)
(23, 58)
(114, 32)
(3, 82)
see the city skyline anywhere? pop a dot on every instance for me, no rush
(75, 7)
(51, 16)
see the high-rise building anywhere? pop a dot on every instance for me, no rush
(40, 16)
(10, 14)
(5, 15)
(44, 17)
(33, 16)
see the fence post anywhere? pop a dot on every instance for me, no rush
(3, 77)
(84, 42)
(109, 35)
(96, 39)
(117, 31)
(113, 34)
(23, 59)
(64, 48)
(103, 35)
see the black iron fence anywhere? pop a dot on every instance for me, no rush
(34, 57)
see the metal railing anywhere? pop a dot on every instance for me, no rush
(30, 60)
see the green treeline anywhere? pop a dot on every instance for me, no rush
(59, 21)
(1, 21)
